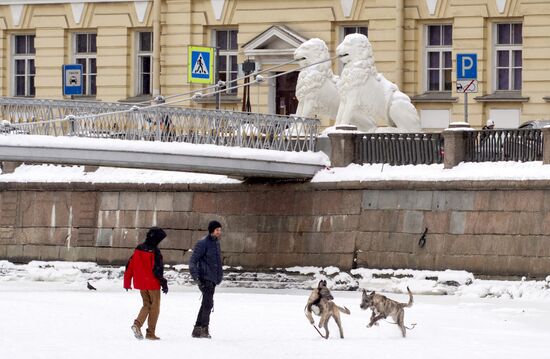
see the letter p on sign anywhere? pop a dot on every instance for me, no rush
(466, 66)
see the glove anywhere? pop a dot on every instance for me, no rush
(201, 285)
(164, 285)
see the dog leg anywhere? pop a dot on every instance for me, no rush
(375, 319)
(325, 325)
(336, 317)
(325, 315)
(401, 323)
(372, 318)
(309, 316)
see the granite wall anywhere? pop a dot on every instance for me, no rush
(492, 228)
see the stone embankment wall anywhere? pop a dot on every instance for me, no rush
(492, 228)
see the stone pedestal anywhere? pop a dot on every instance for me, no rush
(546, 145)
(9, 166)
(459, 125)
(89, 168)
(342, 145)
(454, 147)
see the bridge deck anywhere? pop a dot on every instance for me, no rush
(233, 161)
(165, 138)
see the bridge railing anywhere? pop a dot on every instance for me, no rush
(503, 145)
(163, 123)
(399, 149)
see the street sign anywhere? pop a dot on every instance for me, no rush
(72, 79)
(466, 66)
(466, 77)
(200, 64)
(466, 86)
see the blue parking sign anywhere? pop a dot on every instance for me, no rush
(466, 66)
(72, 79)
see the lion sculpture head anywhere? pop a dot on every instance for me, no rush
(311, 51)
(356, 52)
(316, 87)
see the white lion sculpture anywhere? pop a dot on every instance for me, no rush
(366, 96)
(316, 87)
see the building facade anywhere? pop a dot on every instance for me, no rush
(133, 50)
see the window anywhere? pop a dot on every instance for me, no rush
(439, 62)
(145, 63)
(226, 41)
(23, 64)
(355, 30)
(85, 54)
(508, 55)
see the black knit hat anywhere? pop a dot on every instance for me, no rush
(213, 225)
(155, 235)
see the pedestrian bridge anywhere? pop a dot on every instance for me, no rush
(158, 137)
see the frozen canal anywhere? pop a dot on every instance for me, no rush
(59, 320)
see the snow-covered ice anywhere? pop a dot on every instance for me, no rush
(52, 320)
(55, 316)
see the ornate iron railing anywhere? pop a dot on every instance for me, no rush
(175, 124)
(503, 145)
(399, 148)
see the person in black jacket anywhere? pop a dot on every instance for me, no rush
(206, 269)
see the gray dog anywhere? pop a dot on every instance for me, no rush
(383, 307)
(320, 303)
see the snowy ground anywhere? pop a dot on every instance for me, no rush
(47, 312)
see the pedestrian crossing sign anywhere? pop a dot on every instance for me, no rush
(200, 64)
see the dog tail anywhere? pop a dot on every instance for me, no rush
(410, 303)
(343, 310)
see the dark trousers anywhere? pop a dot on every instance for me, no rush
(207, 290)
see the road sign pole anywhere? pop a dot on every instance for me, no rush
(217, 79)
(466, 107)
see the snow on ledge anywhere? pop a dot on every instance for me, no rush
(68, 174)
(505, 171)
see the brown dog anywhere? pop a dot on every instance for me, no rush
(383, 307)
(320, 303)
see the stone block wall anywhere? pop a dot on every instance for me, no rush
(492, 228)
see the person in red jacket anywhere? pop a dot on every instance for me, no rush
(146, 268)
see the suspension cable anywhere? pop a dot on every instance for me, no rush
(227, 82)
(258, 80)
(196, 94)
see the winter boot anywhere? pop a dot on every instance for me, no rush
(205, 333)
(197, 331)
(151, 336)
(137, 332)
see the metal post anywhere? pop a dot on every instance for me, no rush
(258, 99)
(217, 79)
(72, 127)
(156, 47)
(466, 107)
(399, 40)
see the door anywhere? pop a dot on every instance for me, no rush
(286, 102)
